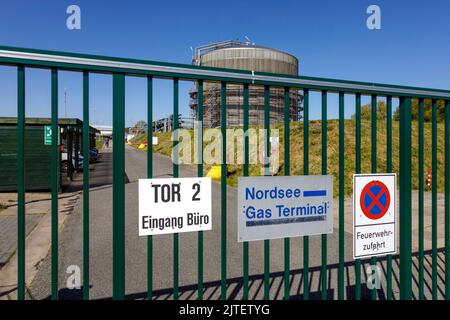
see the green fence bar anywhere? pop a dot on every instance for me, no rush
(223, 186)
(86, 185)
(21, 183)
(200, 174)
(405, 199)
(287, 172)
(175, 170)
(358, 170)
(69, 135)
(421, 203)
(54, 182)
(118, 186)
(266, 167)
(149, 176)
(447, 200)
(245, 173)
(373, 260)
(324, 237)
(341, 284)
(306, 172)
(77, 148)
(389, 169)
(434, 198)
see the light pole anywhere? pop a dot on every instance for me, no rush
(65, 103)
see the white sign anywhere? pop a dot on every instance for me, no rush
(155, 140)
(374, 215)
(174, 205)
(279, 207)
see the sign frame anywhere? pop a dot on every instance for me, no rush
(287, 218)
(390, 221)
(165, 209)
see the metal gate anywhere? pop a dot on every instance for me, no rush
(120, 68)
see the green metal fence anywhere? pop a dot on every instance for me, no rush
(120, 68)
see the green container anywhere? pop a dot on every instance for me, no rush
(37, 151)
(37, 159)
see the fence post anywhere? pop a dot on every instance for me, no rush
(324, 238)
(245, 250)
(149, 176)
(306, 172)
(373, 260)
(200, 174)
(54, 181)
(405, 199)
(86, 148)
(223, 191)
(389, 169)
(118, 186)
(287, 172)
(420, 202)
(358, 170)
(175, 169)
(341, 274)
(434, 270)
(267, 173)
(21, 182)
(447, 200)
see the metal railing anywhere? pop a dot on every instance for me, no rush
(119, 68)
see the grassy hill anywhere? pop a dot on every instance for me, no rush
(296, 155)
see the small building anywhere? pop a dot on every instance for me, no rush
(103, 131)
(38, 152)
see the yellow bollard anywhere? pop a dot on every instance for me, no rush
(215, 172)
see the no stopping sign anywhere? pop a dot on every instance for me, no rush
(374, 215)
(375, 200)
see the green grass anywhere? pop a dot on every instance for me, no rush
(99, 144)
(2, 206)
(315, 150)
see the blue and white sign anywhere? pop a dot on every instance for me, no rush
(280, 207)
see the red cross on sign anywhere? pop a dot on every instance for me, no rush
(375, 200)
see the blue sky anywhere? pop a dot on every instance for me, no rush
(330, 38)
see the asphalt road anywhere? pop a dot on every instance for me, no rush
(70, 250)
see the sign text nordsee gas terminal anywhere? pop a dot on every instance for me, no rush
(279, 207)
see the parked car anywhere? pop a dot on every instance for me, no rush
(93, 155)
